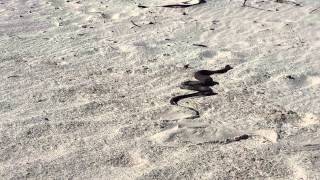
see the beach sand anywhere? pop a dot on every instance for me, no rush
(86, 84)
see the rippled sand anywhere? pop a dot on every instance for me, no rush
(85, 89)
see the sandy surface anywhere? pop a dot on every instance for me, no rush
(85, 89)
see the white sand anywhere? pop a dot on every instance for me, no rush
(85, 89)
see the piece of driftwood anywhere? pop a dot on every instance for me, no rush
(184, 4)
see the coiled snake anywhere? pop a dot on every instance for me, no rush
(202, 86)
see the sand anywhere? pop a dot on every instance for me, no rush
(85, 89)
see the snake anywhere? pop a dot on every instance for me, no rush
(202, 87)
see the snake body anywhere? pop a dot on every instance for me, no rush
(202, 87)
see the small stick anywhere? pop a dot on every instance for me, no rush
(13, 76)
(244, 3)
(142, 6)
(316, 9)
(200, 45)
(135, 24)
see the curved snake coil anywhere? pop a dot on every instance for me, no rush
(202, 86)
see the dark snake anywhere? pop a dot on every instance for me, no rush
(202, 87)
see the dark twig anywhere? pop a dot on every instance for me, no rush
(13, 76)
(316, 9)
(244, 3)
(200, 45)
(135, 24)
(142, 6)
